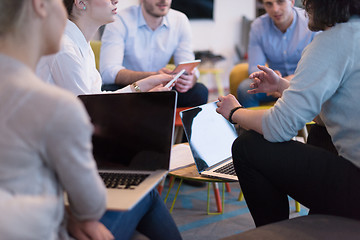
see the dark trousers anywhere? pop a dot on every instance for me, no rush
(317, 178)
(197, 95)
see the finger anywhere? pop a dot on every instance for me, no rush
(181, 84)
(80, 235)
(180, 89)
(252, 91)
(106, 234)
(265, 69)
(256, 75)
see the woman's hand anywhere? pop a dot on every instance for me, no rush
(226, 104)
(265, 81)
(89, 229)
(154, 81)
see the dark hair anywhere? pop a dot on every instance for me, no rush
(69, 6)
(327, 13)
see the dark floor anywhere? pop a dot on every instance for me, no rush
(193, 222)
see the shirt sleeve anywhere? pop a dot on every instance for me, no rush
(112, 51)
(67, 72)
(68, 145)
(255, 48)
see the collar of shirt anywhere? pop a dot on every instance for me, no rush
(142, 22)
(77, 36)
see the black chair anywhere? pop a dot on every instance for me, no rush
(311, 227)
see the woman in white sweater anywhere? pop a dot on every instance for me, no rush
(45, 143)
(43, 130)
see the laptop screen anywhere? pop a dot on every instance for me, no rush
(132, 131)
(209, 134)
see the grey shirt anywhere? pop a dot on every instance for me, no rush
(326, 82)
(45, 149)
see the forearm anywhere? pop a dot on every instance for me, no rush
(289, 77)
(283, 85)
(126, 77)
(249, 119)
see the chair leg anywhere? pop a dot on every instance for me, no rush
(177, 192)
(160, 187)
(228, 188)
(241, 196)
(219, 84)
(297, 206)
(219, 201)
(172, 181)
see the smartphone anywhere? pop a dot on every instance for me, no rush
(175, 78)
(188, 66)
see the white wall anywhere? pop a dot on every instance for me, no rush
(221, 34)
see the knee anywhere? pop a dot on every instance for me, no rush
(202, 93)
(246, 143)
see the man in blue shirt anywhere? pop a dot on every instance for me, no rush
(278, 39)
(142, 41)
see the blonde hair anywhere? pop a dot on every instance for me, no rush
(12, 13)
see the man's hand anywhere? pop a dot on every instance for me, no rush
(165, 71)
(265, 81)
(88, 230)
(185, 82)
(226, 104)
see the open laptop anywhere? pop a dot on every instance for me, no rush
(131, 142)
(210, 138)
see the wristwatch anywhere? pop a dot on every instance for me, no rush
(136, 87)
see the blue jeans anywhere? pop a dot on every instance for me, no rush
(149, 217)
(251, 100)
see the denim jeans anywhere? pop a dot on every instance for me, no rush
(149, 217)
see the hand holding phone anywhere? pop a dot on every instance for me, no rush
(188, 66)
(175, 78)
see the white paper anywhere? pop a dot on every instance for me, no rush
(181, 156)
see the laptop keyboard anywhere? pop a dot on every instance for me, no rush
(227, 169)
(122, 180)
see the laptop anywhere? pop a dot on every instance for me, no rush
(132, 142)
(210, 138)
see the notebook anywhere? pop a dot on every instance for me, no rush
(132, 138)
(210, 138)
